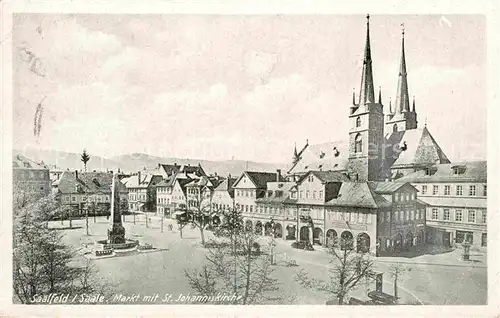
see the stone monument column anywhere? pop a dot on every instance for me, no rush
(116, 233)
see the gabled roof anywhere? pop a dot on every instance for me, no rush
(326, 176)
(168, 169)
(146, 180)
(259, 179)
(358, 194)
(473, 171)
(325, 156)
(22, 162)
(421, 149)
(88, 182)
(227, 185)
(389, 187)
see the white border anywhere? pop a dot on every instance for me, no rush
(488, 8)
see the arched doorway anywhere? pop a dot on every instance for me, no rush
(363, 243)
(409, 241)
(318, 236)
(248, 226)
(278, 230)
(346, 241)
(304, 233)
(268, 229)
(398, 242)
(331, 237)
(291, 229)
(258, 228)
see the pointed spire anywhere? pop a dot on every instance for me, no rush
(402, 99)
(366, 94)
(353, 97)
(295, 153)
(413, 108)
(380, 95)
(390, 106)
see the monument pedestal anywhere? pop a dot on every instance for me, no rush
(116, 235)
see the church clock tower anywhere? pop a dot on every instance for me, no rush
(366, 132)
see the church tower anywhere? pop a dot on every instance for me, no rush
(366, 132)
(401, 117)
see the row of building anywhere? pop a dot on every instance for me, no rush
(390, 187)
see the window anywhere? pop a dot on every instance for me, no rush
(458, 215)
(459, 190)
(251, 208)
(358, 143)
(472, 190)
(424, 189)
(472, 216)
(307, 194)
(484, 240)
(485, 217)
(73, 199)
(294, 195)
(402, 216)
(395, 128)
(66, 199)
(435, 190)
(314, 194)
(446, 215)
(358, 122)
(368, 218)
(301, 194)
(321, 194)
(412, 215)
(360, 217)
(246, 208)
(446, 190)
(387, 216)
(485, 191)
(407, 197)
(434, 214)
(396, 216)
(310, 178)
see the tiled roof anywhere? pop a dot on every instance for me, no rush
(169, 169)
(260, 179)
(421, 148)
(22, 162)
(326, 156)
(358, 194)
(284, 187)
(464, 202)
(145, 181)
(89, 182)
(473, 171)
(388, 187)
(326, 176)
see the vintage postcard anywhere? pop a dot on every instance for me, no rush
(189, 159)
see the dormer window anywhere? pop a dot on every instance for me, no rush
(458, 170)
(358, 122)
(395, 128)
(269, 193)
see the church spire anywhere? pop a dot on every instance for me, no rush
(366, 94)
(380, 95)
(413, 108)
(402, 99)
(390, 106)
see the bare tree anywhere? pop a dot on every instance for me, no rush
(235, 264)
(197, 214)
(397, 270)
(347, 269)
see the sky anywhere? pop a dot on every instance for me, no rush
(218, 87)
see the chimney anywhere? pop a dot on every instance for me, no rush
(76, 174)
(139, 177)
(278, 175)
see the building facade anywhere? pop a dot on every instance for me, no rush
(456, 198)
(76, 189)
(30, 178)
(223, 195)
(142, 191)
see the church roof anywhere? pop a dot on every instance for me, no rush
(421, 148)
(22, 162)
(329, 156)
